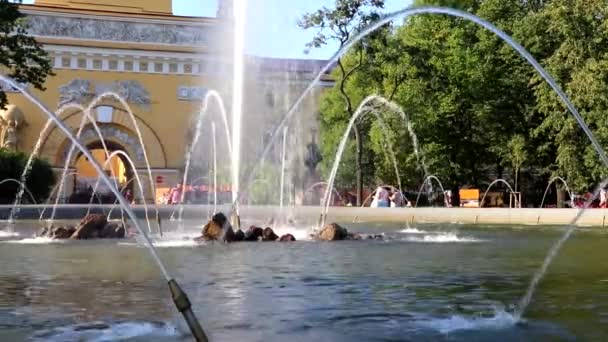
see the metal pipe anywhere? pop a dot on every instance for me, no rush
(182, 303)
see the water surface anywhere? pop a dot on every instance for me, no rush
(426, 283)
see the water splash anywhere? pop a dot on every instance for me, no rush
(37, 147)
(240, 11)
(443, 238)
(412, 231)
(500, 180)
(412, 11)
(408, 12)
(499, 320)
(538, 276)
(138, 181)
(86, 115)
(426, 181)
(549, 185)
(127, 108)
(87, 153)
(364, 107)
(283, 160)
(21, 186)
(211, 95)
(100, 331)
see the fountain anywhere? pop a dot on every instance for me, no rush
(211, 95)
(179, 297)
(361, 110)
(500, 180)
(426, 181)
(406, 13)
(238, 73)
(21, 186)
(138, 181)
(542, 202)
(86, 115)
(283, 159)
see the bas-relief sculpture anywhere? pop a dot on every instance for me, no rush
(79, 91)
(11, 122)
(115, 30)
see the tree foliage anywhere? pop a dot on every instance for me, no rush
(477, 108)
(341, 23)
(21, 57)
(40, 180)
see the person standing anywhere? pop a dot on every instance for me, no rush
(381, 198)
(175, 195)
(396, 199)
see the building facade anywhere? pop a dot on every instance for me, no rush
(142, 73)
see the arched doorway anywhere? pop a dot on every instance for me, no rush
(85, 176)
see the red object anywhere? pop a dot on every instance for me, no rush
(160, 179)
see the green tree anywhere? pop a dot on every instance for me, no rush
(21, 57)
(570, 37)
(340, 24)
(517, 155)
(40, 180)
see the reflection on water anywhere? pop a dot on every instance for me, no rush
(409, 288)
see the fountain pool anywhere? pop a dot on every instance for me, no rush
(428, 282)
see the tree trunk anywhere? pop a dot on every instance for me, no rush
(358, 167)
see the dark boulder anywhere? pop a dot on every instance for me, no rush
(333, 232)
(214, 229)
(113, 231)
(108, 231)
(229, 235)
(287, 238)
(61, 233)
(354, 236)
(120, 232)
(269, 235)
(90, 227)
(254, 233)
(239, 236)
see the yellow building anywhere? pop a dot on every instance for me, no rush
(161, 65)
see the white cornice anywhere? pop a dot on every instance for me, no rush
(69, 49)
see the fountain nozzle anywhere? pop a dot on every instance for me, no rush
(182, 303)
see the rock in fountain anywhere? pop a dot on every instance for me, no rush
(269, 235)
(94, 226)
(287, 238)
(333, 232)
(214, 229)
(254, 233)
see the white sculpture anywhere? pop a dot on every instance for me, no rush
(11, 121)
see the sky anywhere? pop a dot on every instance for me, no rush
(271, 24)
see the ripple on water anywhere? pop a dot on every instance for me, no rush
(500, 320)
(413, 231)
(35, 241)
(6, 234)
(100, 331)
(443, 238)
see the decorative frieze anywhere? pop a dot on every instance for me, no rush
(191, 93)
(79, 91)
(117, 30)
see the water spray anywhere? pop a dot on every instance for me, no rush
(180, 299)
